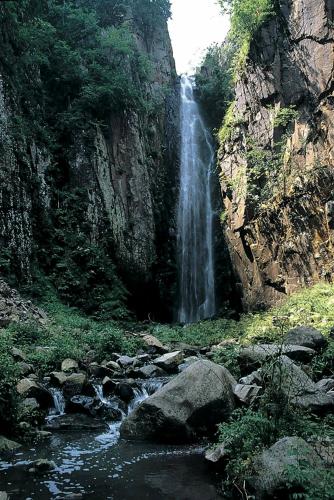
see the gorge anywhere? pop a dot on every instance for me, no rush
(166, 253)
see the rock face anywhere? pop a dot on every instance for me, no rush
(280, 227)
(190, 405)
(126, 170)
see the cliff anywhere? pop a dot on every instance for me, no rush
(276, 158)
(107, 178)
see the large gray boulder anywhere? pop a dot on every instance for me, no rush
(298, 388)
(273, 464)
(255, 355)
(190, 405)
(306, 336)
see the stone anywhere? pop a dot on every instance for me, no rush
(255, 355)
(42, 465)
(97, 371)
(125, 391)
(74, 384)
(190, 405)
(299, 388)
(4, 495)
(112, 365)
(69, 365)
(124, 361)
(24, 368)
(108, 386)
(272, 464)
(306, 336)
(30, 403)
(216, 455)
(76, 423)
(8, 445)
(31, 389)
(187, 362)
(58, 379)
(170, 361)
(18, 355)
(325, 385)
(153, 344)
(148, 371)
(247, 394)
(254, 378)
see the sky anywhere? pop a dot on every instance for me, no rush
(195, 25)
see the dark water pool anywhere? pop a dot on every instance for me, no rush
(104, 467)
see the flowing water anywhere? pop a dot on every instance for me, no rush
(195, 214)
(93, 465)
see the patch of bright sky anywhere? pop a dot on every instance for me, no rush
(194, 26)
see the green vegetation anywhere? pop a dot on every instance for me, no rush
(246, 18)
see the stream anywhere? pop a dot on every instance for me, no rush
(103, 466)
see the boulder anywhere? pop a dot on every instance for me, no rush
(92, 407)
(58, 379)
(41, 466)
(18, 355)
(108, 386)
(124, 361)
(24, 368)
(148, 371)
(154, 345)
(272, 465)
(190, 405)
(98, 371)
(306, 336)
(69, 365)
(30, 389)
(254, 356)
(254, 378)
(76, 423)
(187, 362)
(325, 385)
(170, 361)
(216, 455)
(74, 384)
(298, 388)
(125, 391)
(4, 495)
(113, 366)
(247, 394)
(8, 445)
(30, 404)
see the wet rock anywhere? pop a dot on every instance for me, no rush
(8, 445)
(216, 455)
(97, 371)
(125, 391)
(190, 405)
(141, 359)
(41, 466)
(31, 389)
(247, 394)
(30, 403)
(306, 336)
(154, 345)
(69, 365)
(81, 404)
(4, 495)
(255, 355)
(170, 361)
(58, 379)
(108, 386)
(74, 384)
(76, 423)
(272, 464)
(325, 385)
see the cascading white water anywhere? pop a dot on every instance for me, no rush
(195, 214)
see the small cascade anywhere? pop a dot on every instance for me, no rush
(146, 389)
(58, 401)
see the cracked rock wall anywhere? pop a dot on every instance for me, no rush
(288, 242)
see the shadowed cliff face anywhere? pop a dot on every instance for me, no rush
(125, 169)
(277, 177)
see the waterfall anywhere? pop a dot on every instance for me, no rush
(58, 401)
(195, 215)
